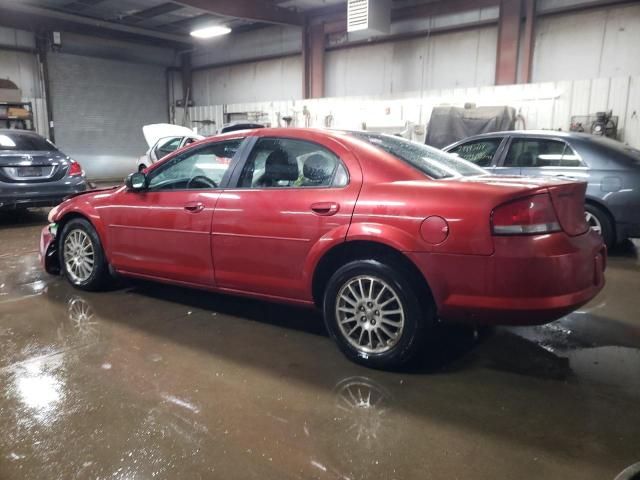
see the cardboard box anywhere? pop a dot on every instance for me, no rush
(21, 113)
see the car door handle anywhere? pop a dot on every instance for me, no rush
(194, 207)
(325, 208)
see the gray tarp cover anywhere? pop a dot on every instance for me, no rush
(450, 124)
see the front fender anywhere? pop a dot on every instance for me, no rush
(79, 207)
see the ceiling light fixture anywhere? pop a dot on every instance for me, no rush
(209, 32)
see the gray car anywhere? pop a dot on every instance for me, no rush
(610, 168)
(34, 173)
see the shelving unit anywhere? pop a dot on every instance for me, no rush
(16, 121)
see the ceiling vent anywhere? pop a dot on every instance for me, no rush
(366, 18)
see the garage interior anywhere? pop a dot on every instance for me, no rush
(155, 381)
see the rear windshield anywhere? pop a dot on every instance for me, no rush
(430, 161)
(24, 142)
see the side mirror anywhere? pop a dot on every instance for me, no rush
(136, 181)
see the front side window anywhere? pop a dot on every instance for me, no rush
(283, 162)
(478, 152)
(201, 168)
(540, 152)
(430, 161)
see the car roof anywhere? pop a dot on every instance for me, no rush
(15, 131)
(535, 133)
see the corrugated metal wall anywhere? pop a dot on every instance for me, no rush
(99, 108)
(548, 105)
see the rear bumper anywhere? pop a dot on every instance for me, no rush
(527, 281)
(31, 197)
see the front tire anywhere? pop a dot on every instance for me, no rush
(600, 222)
(377, 313)
(81, 256)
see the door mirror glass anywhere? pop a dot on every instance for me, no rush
(136, 181)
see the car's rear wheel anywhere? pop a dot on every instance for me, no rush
(375, 313)
(599, 222)
(81, 256)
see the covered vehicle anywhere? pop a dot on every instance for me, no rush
(384, 235)
(610, 168)
(163, 139)
(34, 173)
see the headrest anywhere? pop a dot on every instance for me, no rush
(279, 166)
(317, 167)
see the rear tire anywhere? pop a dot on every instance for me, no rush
(82, 259)
(375, 313)
(600, 221)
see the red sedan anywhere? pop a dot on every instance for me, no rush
(384, 235)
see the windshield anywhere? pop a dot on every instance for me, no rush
(430, 161)
(24, 142)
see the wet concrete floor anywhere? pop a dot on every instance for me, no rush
(151, 381)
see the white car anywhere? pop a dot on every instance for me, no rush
(163, 139)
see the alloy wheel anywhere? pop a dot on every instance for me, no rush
(370, 314)
(593, 222)
(79, 255)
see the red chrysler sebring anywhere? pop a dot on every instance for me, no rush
(384, 235)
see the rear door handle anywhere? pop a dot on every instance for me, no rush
(325, 208)
(194, 207)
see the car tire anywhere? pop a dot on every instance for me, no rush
(378, 313)
(600, 221)
(82, 258)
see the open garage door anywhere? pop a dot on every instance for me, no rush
(99, 107)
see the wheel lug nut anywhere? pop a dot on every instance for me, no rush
(369, 304)
(373, 322)
(377, 312)
(363, 318)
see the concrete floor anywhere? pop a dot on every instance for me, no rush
(150, 381)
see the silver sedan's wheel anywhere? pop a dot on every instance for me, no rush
(593, 222)
(370, 314)
(79, 255)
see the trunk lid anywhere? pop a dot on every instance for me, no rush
(32, 166)
(568, 202)
(567, 196)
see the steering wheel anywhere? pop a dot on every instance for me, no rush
(202, 180)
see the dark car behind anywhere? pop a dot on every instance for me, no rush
(34, 173)
(610, 168)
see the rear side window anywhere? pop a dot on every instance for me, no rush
(288, 163)
(22, 142)
(479, 152)
(540, 152)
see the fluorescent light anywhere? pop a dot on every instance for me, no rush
(213, 31)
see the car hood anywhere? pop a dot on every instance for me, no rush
(154, 132)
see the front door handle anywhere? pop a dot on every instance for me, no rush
(194, 207)
(325, 208)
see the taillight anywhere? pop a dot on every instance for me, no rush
(525, 216)
(74, 168)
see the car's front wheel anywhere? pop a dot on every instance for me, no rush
(81, 256)
(377, 313)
